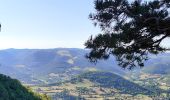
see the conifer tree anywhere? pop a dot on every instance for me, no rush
(129, 30)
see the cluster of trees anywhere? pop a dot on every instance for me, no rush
(65, 95)
(110, 80)
(11, 89)
(130, 30)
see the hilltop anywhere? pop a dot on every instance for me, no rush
(97, 85)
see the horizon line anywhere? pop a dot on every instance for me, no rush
(45, 48)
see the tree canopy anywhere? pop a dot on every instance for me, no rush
(11, 89)
(129, 30)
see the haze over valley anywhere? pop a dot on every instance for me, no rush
(54, 71)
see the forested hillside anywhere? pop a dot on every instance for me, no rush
(11, 89)
(97, 85)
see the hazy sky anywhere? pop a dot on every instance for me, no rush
(46, 23)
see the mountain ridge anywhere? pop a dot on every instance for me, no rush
(43, 66)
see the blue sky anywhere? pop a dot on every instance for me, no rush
(46, 23)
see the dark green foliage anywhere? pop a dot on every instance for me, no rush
(82, 90)
(110, 80)
(131, 30)
(11, 89)
(66, 96)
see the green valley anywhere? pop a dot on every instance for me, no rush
(65, 74)
(97, 85)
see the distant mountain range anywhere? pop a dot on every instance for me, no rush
(43, 66)
(46, 69)
(46, 66)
